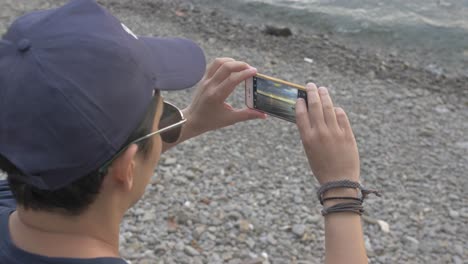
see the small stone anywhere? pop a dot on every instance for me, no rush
(182, 217)
(139, 211)
(449, 229)
(314, 218)
(411, 239)
(170, 161)
(190, 175)
(257, 260)
(235, 261)
(278, 32)
(411, 243)
(244, 225)
(464, 213)
(234, 216)
(441, 109)
(454, 214)
(463, 144)
(250, 242)
(209, 236)
(383, 226)
(179, 246)
(368, 245)
(199, 231)
(298, 199)
(159, 250)
(214, 258)
(308, 60)
(271, 239)
(227, 256)
(307, 237)
(191, 251)
(457, 260)
(148, 216)
(298, 229)
(459, 249)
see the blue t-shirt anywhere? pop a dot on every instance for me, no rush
(10, 254)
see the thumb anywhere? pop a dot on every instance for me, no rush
(240, 115)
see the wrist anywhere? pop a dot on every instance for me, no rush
(190, 128)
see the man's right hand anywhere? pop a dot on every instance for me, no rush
(327, 137)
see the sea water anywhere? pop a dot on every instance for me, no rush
(433, 33)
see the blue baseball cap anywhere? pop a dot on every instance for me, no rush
(75, 82)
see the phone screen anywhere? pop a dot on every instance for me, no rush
(276, 99)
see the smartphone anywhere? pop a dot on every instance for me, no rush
(273, 96)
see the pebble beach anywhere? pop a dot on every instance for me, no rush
(245, 194)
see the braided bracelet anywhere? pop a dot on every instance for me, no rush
(344, 184)
(352, 207)
(340, 198)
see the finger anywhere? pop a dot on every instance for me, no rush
(343, 120)
(302, 117)
(214, 66)
(240, 115)
(315, 106)
(328, 109)
(228, 106)
(230, 83)
(227, 69)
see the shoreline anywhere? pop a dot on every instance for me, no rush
(211, 22)
(416, 43)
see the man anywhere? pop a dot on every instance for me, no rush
(83, 125)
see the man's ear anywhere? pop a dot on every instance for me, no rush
(122, 169)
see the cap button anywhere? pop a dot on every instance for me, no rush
(24, 45)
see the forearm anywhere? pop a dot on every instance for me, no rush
(344, 241)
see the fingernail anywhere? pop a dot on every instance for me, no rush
(310, 86)
(338, 110)
(323, 90)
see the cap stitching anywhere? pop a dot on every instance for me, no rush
(88, 121)
(3, 113)
(97, 130)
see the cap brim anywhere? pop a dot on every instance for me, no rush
(178, 63)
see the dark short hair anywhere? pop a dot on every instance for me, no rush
(74, 198)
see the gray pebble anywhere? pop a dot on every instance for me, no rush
(191, 251)
(453, 214)
(457, 260)
(298, 229)
(250, 242)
